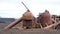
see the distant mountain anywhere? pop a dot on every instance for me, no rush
(4, 20)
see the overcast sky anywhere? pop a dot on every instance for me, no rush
(15, 9)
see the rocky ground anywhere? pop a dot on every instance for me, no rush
(27, 31)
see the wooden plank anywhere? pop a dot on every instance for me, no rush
(52, 25)
(13, 24)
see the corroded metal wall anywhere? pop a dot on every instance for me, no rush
(29, 20)
(45, 18)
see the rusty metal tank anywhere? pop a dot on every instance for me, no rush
(45, 18)
(27, 19)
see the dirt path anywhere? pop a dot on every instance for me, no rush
(27, 31)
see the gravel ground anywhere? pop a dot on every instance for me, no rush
(27, 31)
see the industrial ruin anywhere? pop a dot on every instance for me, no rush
(43, 21)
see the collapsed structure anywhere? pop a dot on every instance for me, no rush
(27, 19)
(44, 20)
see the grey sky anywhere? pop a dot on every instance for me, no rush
(14, 8)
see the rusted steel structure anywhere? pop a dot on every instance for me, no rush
(27, 19)
(45, 19)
